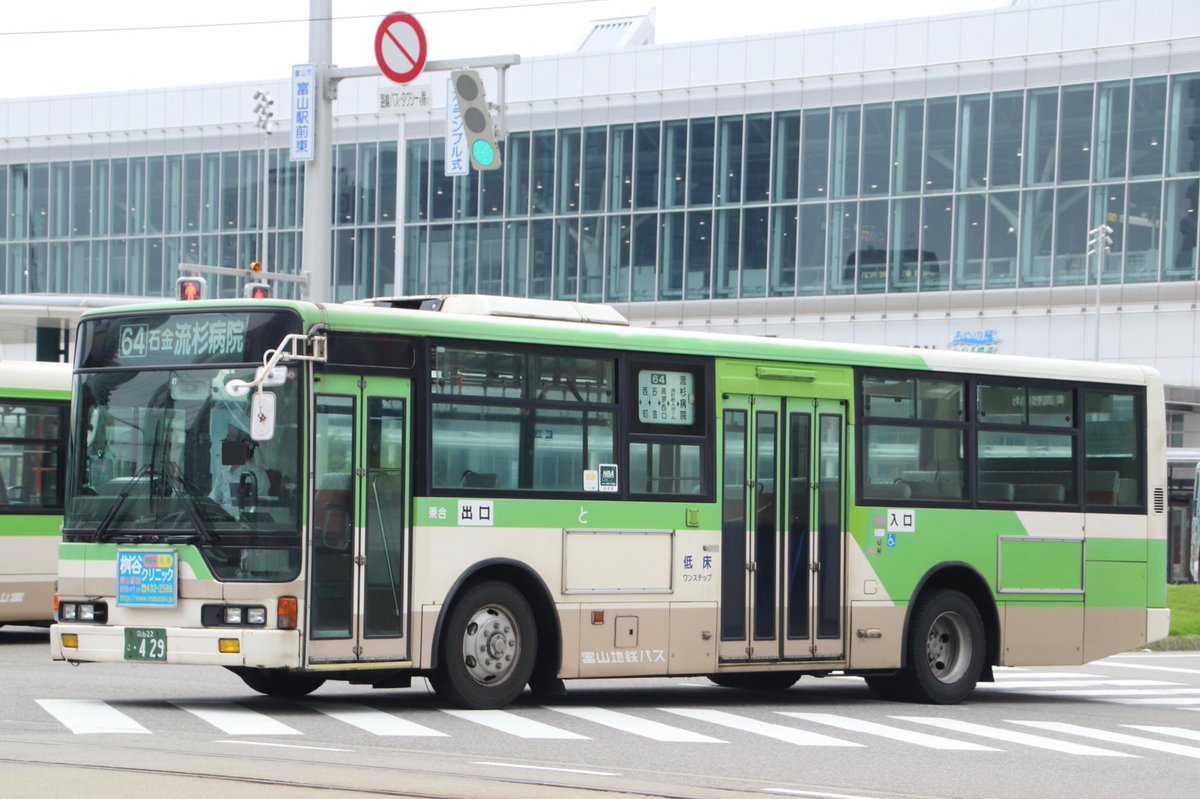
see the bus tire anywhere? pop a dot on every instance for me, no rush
(946, 648)
(488, 646)
(279, 682)
(758, 681)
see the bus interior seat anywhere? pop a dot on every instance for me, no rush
(1039, 492)
(274, 482)
(1102, 486)
(888, 491)
(473, 479)
(1127, 491)
(996, 492)
(332, 518)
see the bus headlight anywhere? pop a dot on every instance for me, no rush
(94, 612)
(233, 616)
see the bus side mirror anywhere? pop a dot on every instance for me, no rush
(262, 415)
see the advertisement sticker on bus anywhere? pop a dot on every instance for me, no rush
(147, 578)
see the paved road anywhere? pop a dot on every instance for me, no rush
(1124, 726)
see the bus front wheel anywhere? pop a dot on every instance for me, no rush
(488, 648)
(945, 651)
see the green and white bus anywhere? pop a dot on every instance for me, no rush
(494, 493)
(34, 401)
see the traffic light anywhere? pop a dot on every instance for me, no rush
(190, 287)
(257, 291)
(477, 119)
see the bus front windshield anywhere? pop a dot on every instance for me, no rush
(166, 456)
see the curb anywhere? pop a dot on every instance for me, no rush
(1176, 643)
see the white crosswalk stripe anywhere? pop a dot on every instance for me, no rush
(504, 721)
(886, 731)
(1013, 736)
(779, 732)
(1042, 685)
(93, 716)
(373, 720)
(1178, 732)
(86, 716)
(633, 724)
(1114, 737)
(234, 719)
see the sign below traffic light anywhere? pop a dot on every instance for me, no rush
(257, 291)
(190, 287)
(477, 119)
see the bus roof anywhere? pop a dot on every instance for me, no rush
(35, 375)
(492, 319)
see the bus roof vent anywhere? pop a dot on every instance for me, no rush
(515, 307)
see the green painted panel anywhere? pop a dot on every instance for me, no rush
(13, 524)
(101, 553)
(1032, 564)
(1156, 570)
(1118, 549)
(36, 393)
(1116, 585)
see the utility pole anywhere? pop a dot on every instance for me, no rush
(318, 173)
(1099, 242)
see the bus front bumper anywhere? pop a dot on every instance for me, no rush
(197, 647)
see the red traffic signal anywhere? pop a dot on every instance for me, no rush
(189, 287)
(257, 291)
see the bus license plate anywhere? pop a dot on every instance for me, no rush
(145, 643)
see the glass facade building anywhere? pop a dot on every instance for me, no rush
(923, 182)
(988, 190)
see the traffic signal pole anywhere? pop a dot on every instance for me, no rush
(316, 250)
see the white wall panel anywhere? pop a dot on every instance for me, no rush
(818, 53)
(880, 47)
(1045, 29)
(848, 46)
(1011, 34)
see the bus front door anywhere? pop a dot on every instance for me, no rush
(783, 466)
(358, 521)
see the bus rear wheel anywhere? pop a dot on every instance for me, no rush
(278, 682)
(488, 648)
(945, 650)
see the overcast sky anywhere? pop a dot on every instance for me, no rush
(51, 47)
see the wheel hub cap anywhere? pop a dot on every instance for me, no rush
(490, 645)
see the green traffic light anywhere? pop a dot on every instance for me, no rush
(483, 153)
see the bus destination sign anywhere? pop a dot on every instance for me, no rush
(666, 397)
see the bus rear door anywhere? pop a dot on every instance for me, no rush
(782, 528)
(358, 548)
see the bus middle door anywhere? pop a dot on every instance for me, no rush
(359, 542)
(782, 528)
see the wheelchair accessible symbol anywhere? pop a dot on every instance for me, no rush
(891, 539)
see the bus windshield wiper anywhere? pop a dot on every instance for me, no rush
(111, 515)
(181, 488)
(146, 471)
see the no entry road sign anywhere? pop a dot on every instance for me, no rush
(400, 48)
